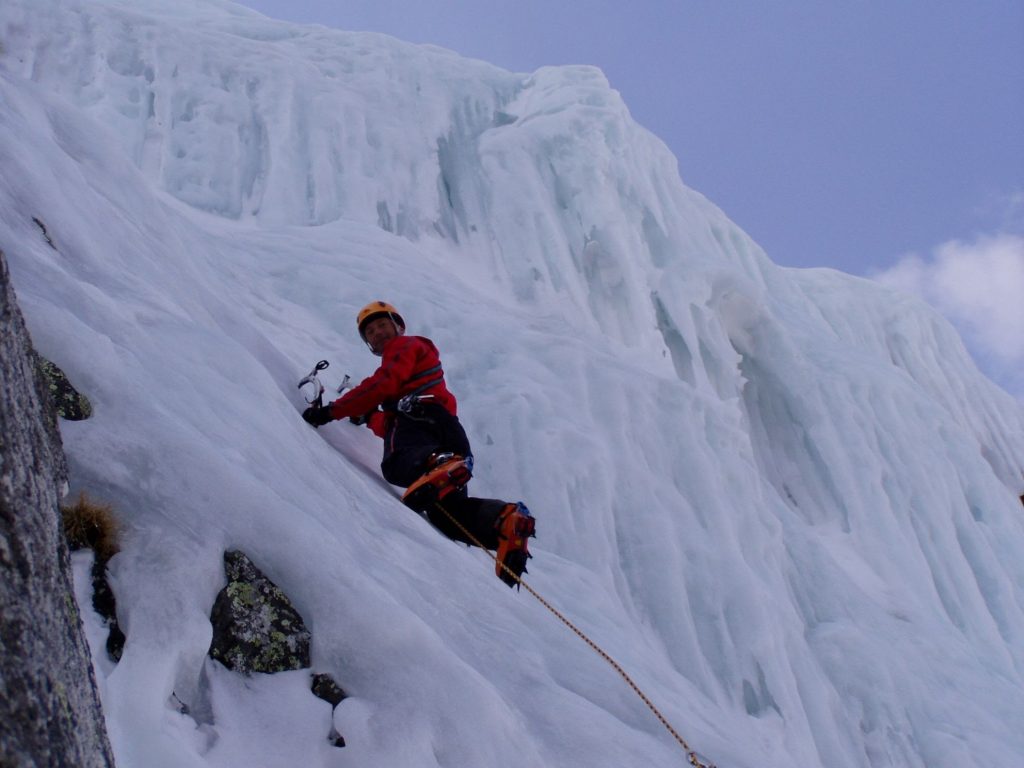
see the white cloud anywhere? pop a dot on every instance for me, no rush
(979, 287)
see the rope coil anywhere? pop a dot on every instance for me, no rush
(691, 756)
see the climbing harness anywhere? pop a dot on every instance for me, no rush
(409, 402)
(695, 760)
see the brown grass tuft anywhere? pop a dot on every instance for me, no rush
(92, 525)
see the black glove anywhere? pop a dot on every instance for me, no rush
(360, 420)
(317, 415)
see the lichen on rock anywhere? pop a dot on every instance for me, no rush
(69, 402)
(50, 711)
(255, 626)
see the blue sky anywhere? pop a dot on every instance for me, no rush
(865, 136)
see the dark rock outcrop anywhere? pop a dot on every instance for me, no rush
(89, 525)
(69, 402)
(325, 688)
(104, 603)
(255, 627)
(49, 708)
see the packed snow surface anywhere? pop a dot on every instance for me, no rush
(786, 502)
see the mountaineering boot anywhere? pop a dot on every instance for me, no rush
(515, 525)
(446, 472)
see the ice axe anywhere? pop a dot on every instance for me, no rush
(313, 380)
(318, 388)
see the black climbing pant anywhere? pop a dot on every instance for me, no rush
(409, 443)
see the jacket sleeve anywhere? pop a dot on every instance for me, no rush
(378, 423)
(385, 383)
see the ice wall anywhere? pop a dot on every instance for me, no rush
(787, 498)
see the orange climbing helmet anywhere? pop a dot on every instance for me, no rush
(376, 309)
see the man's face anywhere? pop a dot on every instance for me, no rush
(379, 332)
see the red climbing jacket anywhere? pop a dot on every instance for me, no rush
(409, 365)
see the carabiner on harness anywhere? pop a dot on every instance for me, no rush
(407, 404)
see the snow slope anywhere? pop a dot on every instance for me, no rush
(785, 501)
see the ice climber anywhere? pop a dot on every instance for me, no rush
(426, 450)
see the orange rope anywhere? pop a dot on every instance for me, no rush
(691, 756)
